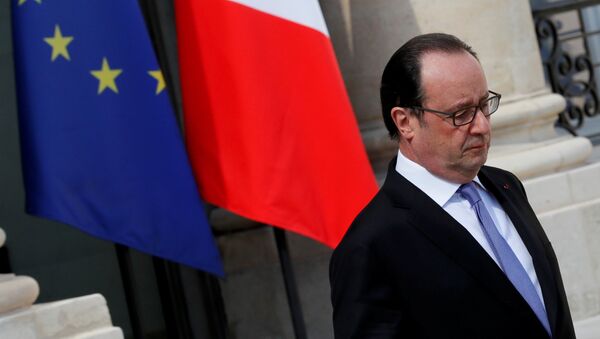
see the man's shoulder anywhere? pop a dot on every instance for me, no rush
(502, 178)
(374, 222)
(497, 172)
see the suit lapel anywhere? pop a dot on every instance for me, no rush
(450, 237)
(514, 204)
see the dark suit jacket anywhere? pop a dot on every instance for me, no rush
(407, 269)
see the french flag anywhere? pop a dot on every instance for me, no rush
(269, 128)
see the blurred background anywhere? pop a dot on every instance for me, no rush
(542, 56)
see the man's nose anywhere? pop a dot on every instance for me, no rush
(481, 124)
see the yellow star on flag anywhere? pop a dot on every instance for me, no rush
(160, 80)
(107, 77)
(59, 44)
(23, 1)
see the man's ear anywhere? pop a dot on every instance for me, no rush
(401, 117)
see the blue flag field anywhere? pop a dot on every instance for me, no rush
(100, 144)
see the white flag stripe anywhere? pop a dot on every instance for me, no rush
(303, 12)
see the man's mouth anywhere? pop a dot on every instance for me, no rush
(475, 147)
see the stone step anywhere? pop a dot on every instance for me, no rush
(563, 189)
(574, 231)
(568, 207)
(530, 160)
(588, 328)
(60, 319)
(103, 333)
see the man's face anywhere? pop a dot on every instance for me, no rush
(450, 82)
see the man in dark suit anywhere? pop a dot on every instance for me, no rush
(448, 248)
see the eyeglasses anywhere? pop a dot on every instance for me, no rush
(466, 115)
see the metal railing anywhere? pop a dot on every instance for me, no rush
(564, 39)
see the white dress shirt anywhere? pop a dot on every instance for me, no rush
(445, 194)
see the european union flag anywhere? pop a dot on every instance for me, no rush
(100, 144)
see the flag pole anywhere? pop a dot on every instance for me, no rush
(129, 286)
(289, 279)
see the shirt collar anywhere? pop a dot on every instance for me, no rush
(438, 189)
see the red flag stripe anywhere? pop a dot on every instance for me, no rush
(269, 127)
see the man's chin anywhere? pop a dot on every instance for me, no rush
(477, 159)
(476, 152)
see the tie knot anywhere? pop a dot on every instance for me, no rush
(469, 192)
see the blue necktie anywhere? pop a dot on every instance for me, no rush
(509, 262)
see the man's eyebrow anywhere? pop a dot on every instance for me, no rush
(464, 103)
